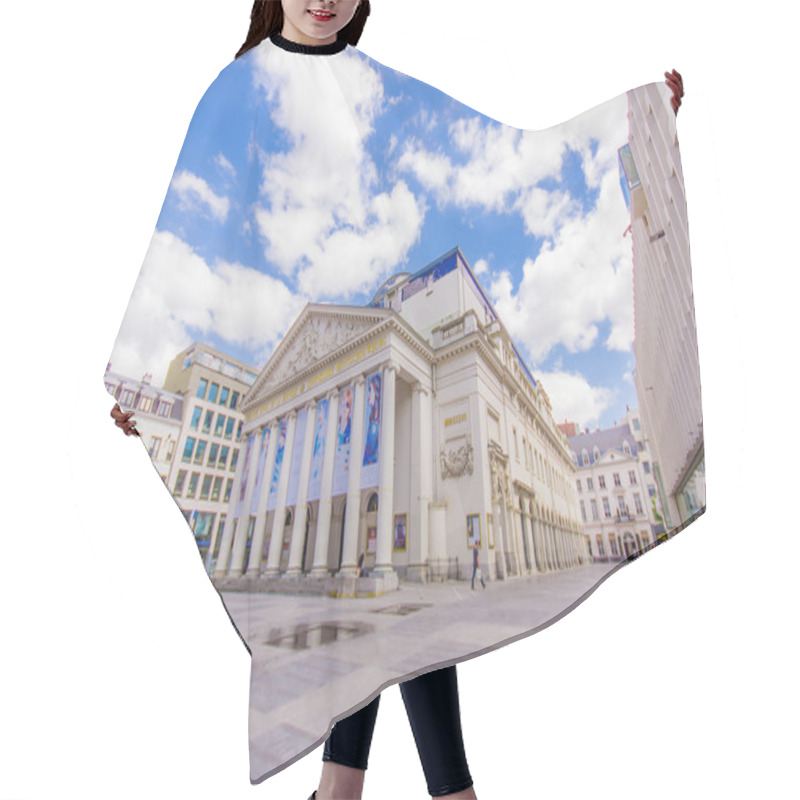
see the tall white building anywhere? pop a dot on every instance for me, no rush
(665, 342)
(397, 436)
(617, 491)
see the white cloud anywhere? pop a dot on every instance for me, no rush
(321, 217)
(480, 266)
(579, 280)
(225, 165)
(573, 398)
(194, 193)
(179, 296)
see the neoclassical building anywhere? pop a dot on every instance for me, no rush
(382, 442)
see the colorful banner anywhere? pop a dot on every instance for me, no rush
(318, 451)
(341, 460)
(372, 431)
(276, 469)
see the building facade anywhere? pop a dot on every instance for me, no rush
(158, 415)
(665, 340)
(617, 492)
(201, 475)
(386, 441)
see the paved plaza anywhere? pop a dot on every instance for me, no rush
(317, 659)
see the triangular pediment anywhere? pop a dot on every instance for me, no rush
(317, 333)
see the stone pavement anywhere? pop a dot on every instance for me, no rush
(318, 659)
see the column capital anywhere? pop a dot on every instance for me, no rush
(333, 393)
(311, 405)
(359, 380)
(418, 388)
(292, 414)
(389, 365)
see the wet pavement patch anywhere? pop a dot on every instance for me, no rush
(402, 609)
(306, 636)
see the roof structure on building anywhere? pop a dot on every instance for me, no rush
(604, 439)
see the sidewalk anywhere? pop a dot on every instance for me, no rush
(317, 659)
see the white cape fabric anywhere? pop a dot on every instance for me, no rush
(419, 381)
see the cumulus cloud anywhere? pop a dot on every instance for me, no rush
(194, 194)
(573, 398)
(323, 220)
(225, 165)
(179, 297)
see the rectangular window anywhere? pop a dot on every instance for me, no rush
(583, 511)
(207, 421)
(127, 398)
(601, 550)
(228, 489)
(601, 481)
(145, 403)
(155, 446)
(595, 515)
(617, 481)
(192, 490)
(212, 395)
(589, 484)
(632, 477)
(638, 503)
(606, 507)
(646, 467)
(234, 460)
(201, 388)
(188, 448)
(196, 414)
(234, 400)
(206, 487)
(223, 457)
(516, 445)
(612, 540)
(164, 409)
(621, 506)
(179, 481)
(229, 427)
(223, 396)
(213, 452)
(219, 427)
(200, 452)
(651, 490)
(170, 449)
(239, 430)
(217, 489)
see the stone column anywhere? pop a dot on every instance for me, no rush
(320, 566)
(242, 529)
(385, 533)
(353, 509)
(260, 531)
(421, 484)
(221, 569)
(276, 537)
(300, 507)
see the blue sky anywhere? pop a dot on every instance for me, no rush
(314, 178)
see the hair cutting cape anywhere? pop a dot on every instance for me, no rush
(419, 381)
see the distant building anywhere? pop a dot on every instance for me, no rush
(665, 344)
(616, 490)
(157, 414)
(201, 477)
(396, 436)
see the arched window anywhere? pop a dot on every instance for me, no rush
(585, 457)
(596, 454)
(372, 505)
(626, 448)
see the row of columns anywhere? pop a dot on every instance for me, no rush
(234, 541)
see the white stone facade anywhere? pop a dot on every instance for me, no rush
(665, 340)
(465, 448)
(617, 491)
